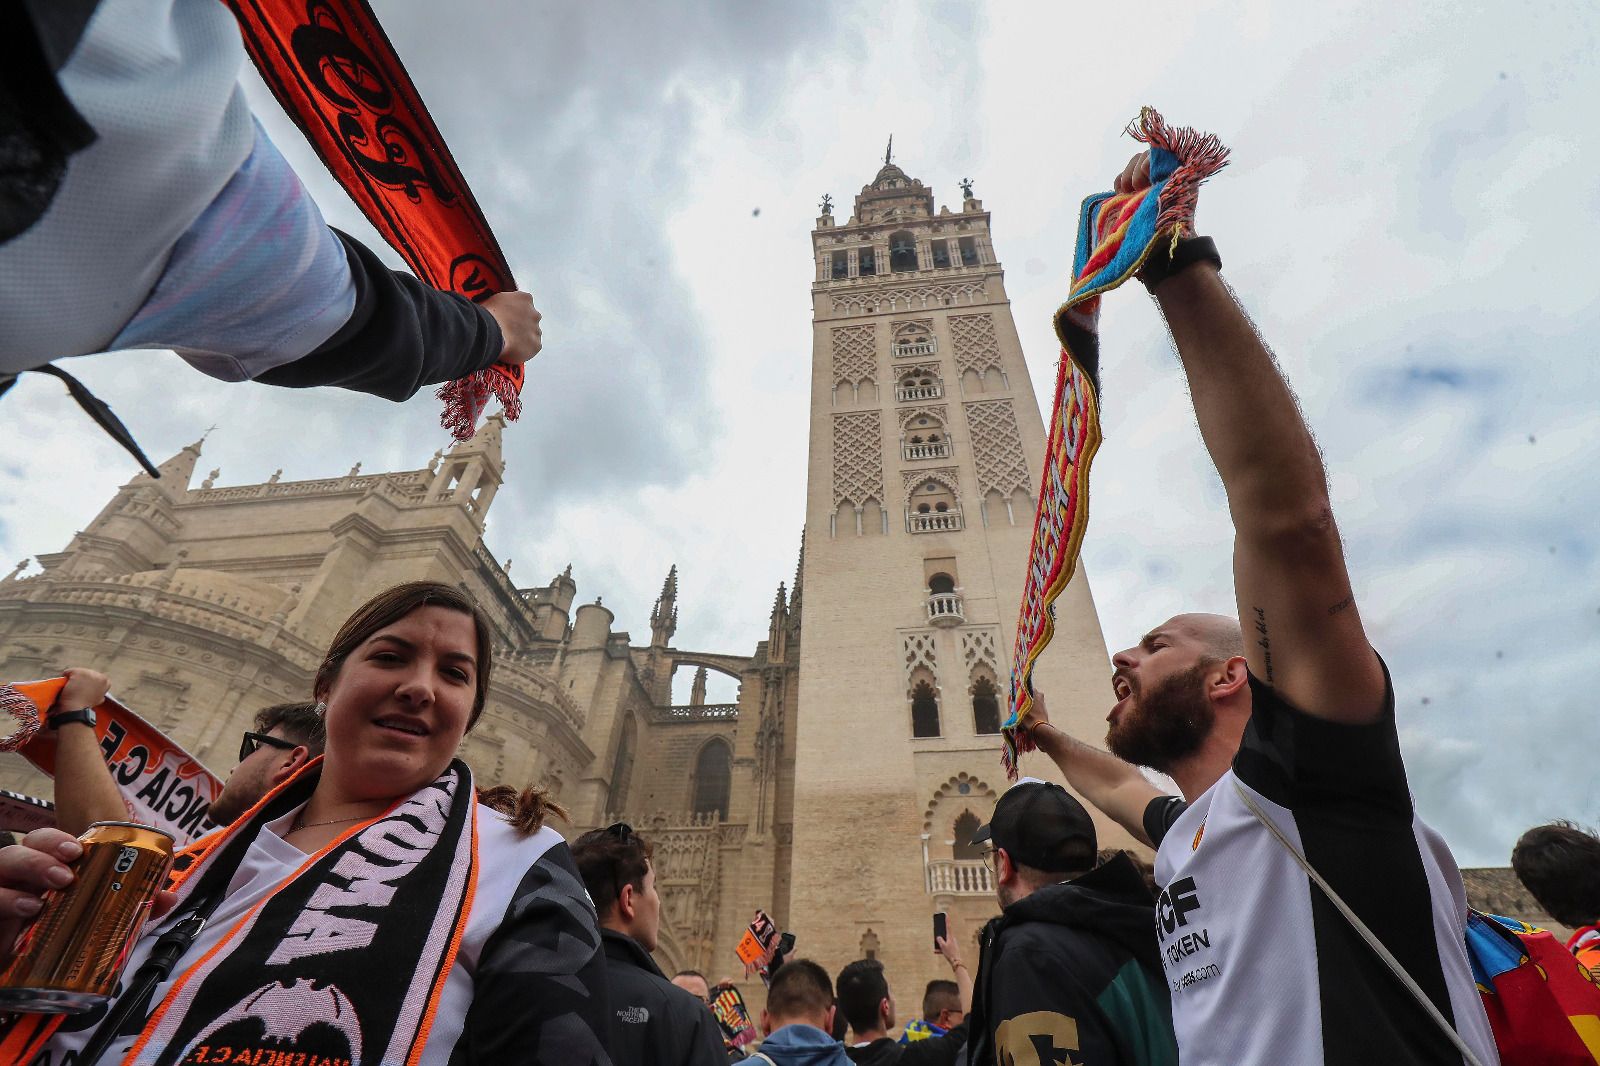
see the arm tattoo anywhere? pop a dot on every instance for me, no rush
(1264, 643)
(1342, 604)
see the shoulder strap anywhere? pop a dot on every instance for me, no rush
(1360, 927)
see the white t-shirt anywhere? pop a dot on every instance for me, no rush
(269, 860)
(1262, 969)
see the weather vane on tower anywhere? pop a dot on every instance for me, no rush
(888, 153)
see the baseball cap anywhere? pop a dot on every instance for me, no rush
(1041, 825)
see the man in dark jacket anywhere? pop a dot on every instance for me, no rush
(1069, 972)
(653, 1020)
(865, 1000)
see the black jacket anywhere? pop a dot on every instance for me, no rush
(935, 1051)
(653, 1021)
(1073, 970)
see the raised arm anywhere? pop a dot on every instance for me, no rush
(85, 792)
(1302, 630)
(1117, 788)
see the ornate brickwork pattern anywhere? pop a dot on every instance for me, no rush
(857, 458)
(914, 330)
(980, 647)
(972, 337)
(914, 298)
(855, 354)
(997, 447)
(918, 647)
(934, 411)
(948, 476)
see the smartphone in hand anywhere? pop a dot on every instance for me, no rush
(941, 929)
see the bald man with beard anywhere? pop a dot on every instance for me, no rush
(1280, 716)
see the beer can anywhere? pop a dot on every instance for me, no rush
(69, 960)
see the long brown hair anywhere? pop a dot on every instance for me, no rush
(526, 810)
(387, 608)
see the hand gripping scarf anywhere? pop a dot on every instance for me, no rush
(1116, 234)
(342, 964)
(334, 71)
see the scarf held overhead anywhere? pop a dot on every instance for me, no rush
(1116, 233)
(335, 73)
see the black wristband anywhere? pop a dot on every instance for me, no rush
(1190, 250)
(85, 715)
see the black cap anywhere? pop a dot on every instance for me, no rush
(1041, 825)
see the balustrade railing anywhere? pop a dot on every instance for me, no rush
(945, 609)
(911, 393)
(959, 877)
(701, 712)
(935, 450)
(933, 522)
(912, 348)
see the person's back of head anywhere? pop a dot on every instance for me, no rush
(800, 994)
(296, 722)
(864, 997)
(615, 864)
(941, 1002)
(1559, 864)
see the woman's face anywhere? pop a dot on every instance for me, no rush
(399, 705)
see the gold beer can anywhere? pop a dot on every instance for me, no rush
(69, 960)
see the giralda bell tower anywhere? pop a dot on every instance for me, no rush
(926, 450)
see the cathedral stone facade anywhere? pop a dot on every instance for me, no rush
(207, 602)
(840, 791)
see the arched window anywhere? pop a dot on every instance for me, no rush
(941, 583)
(941, 254)
(713, 776)
(985, 707)
(869, 945)
(840, 266)
(622, 768)
(866, 263)
(902, 252)
(964, 848)
(924, 711)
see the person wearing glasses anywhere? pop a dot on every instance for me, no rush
(374, 908)
(653, 1021)
(1070, 971)
(286, 737)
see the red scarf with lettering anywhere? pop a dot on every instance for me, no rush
(342, 964)
(334, 71)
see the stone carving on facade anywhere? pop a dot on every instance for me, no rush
(997, 447)
(783, 833)
(932, 411)
(979, 646)
(915, 298)
(855, 355)
(948, 476)
(963, 789)
(972, 337)
(857, 458)
(918, 648)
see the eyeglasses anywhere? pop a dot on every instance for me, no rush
(988, 858)
(252, 743)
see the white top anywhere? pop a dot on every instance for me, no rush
(1263, 971)
(270, 859)
(181, 225)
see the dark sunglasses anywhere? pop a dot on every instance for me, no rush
(252, 743)
(621, 830)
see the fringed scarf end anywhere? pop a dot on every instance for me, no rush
(466, 398)
(24, 712)
(1200, 155)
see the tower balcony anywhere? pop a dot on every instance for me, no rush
(910, 349)
(913, 393)
(939, 449)
(933, 522)
(959, 877)
(944, 609)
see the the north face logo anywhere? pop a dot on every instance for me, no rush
(634, 1015)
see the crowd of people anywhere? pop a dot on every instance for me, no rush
(362, 901)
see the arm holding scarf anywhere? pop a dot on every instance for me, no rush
(539, 993)
(85, 792)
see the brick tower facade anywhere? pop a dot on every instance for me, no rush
(926, 450)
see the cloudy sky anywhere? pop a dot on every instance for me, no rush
(1411, 217)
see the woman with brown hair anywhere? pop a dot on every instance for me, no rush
(370, 909)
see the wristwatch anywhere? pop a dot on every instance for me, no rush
(84, 715)
(1166, 260)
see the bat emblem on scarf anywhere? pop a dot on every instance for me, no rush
(297, 1018)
